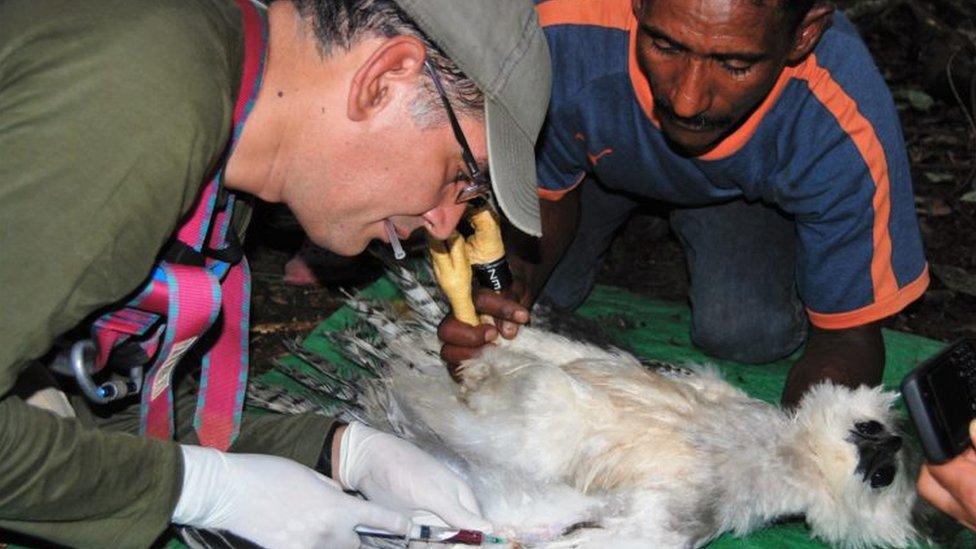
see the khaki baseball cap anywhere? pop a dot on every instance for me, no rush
(499, 45)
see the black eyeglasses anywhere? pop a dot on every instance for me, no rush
(477, 184)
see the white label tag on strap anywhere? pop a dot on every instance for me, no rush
(162, 379)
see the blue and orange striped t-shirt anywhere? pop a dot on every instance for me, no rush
(825, 146)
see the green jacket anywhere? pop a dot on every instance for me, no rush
(112, 115)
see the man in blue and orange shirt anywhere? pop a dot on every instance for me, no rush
(769, 129)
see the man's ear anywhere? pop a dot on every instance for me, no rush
(810, 29)
(390, 69)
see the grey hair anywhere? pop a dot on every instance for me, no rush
(340, 24)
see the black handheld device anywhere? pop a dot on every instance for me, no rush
(941, 398)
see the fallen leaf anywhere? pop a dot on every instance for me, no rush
(939, 177)
(968, 197)
(956, 279)
(918, 100)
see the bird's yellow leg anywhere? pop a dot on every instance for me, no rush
(453, 273)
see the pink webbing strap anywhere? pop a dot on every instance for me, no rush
(181, 302)
(117, 327)
(223, 382)
(193, 301)
(194, 231)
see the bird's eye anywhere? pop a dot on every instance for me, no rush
(869, 428)
(883, 476)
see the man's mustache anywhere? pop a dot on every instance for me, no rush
(699, 122)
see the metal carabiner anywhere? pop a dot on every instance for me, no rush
(81, 361)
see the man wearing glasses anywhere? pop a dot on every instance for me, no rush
(123, 125)
(474, 184)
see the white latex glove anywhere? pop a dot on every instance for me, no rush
(274, 502)
(394, 473)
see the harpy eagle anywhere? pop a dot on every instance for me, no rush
(573, 444)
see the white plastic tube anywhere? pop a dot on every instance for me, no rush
(398, 252)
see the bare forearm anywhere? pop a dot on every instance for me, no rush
(533, 260)
(850, 357)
